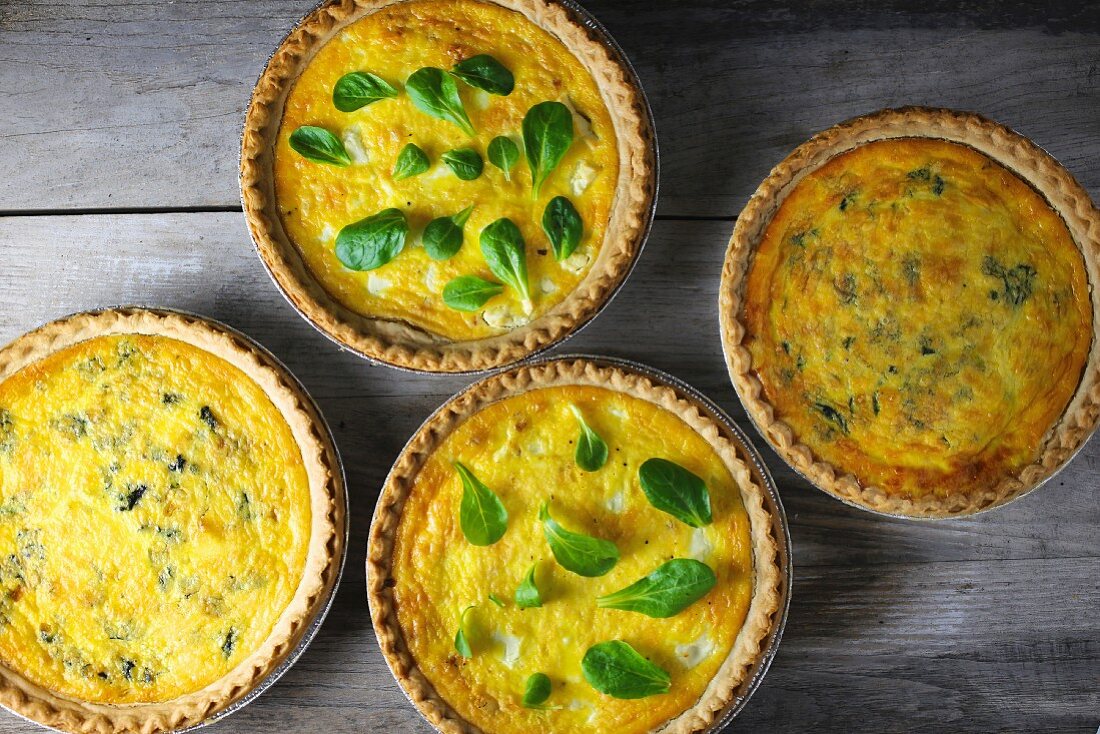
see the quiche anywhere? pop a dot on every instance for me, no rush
(909, 312)
(171, 520)
(448, 185)
(576, 546)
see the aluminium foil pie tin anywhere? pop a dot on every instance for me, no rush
(598, 33)
(747, 452)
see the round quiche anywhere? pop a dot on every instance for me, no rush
(577, 546)
(171, 520)
(448, 185)
(909, 312)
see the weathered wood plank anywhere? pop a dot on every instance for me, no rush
(888, 616)
(129, 104)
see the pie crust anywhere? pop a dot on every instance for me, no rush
(1013, 151)
(398, 343)
(763, 614)
(325, 553)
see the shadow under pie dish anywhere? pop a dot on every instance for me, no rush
(172, 519)
(681, 584)
(909, 312)
(448, 185)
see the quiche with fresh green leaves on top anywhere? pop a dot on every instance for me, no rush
(171, 520)
(909, 311)
(448, 185)
(573, 547)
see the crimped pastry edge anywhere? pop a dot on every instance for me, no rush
(1007, 147)
(400, 344)
(750, 644)
(327, 537)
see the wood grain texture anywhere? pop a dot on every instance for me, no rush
(988, 624)
(128, 104)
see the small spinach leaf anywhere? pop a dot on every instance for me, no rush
(359, 89)
(503, 153)
(617, 669)
(485, 72)
(581, 554)
(496, 600)
(411, 161)
(433, 91)
(591, 453)
(372, 242)
(319, 145)
(667, 590)
(673, 489)
(536, 691)
(442, 237)
(562, 223)
(481, 513)
(505, 252)
(547, 134)
(469, 292)
(527, 593)
(462, 643)
(464, 162)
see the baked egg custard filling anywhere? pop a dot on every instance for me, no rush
(317, 201)
(919, 315)
(464, 606)
(154, 519)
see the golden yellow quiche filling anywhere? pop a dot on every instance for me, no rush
(154, 519)
(919, 315)
(465, 606)
(350, 166)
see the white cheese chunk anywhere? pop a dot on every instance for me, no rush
(503, 317)
(480, 99)
(576, 262)
(547, 286)
(431, 279)
(691, 654)
(583, 176)
(616, 503)
(701, 547)
(509, 647)
(353, 144)
(377, 285)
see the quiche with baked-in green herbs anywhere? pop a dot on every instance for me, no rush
(448, 185)
(171, 520)
(573, 547)
(909, 312)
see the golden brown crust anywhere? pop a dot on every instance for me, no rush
(1011, 150)
(767, 592)
(327, 537)
(398, 343)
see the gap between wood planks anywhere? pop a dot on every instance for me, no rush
(229, 209)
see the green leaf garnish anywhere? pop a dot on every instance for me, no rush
(673, 489)
(547, 134)
(469, 292)
(527, 593)
(581, 554)
(591, 453)
(504, 154)
(536, 691)
(667, 590)
(481, 513)
(496, 600)
(562, 223)
(319, 145)
(359, 89)
(462, 644)
(464, 162)
(506, 254)
(442, 237)
(372, 242)
(411, 161)
(617, 669)
(433, 91)
(485, 72)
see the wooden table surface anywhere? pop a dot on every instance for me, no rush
(119, 123)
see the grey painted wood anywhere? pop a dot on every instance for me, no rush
(989, 624)
(126, 104)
